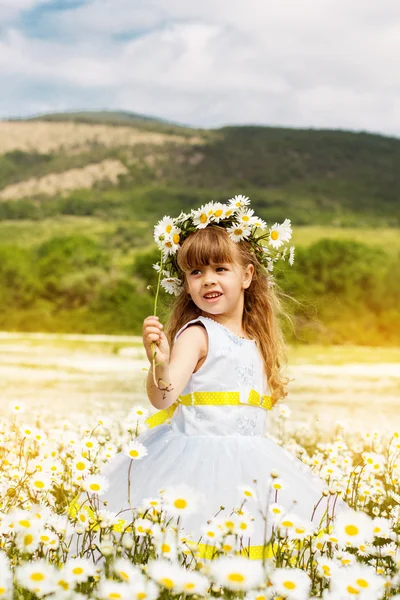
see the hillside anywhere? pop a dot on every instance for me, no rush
(319, 177)
(80, 194)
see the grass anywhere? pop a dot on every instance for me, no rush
(28, 233)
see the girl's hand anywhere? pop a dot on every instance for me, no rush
(152, 332)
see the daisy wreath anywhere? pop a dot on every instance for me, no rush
(241, 224)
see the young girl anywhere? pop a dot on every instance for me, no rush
(214, 375)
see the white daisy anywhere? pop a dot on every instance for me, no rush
(353, 527)
(113, 590)
(257, 222)
(229, 211)
(81, 465)
(326, 567)
(79, 569)
(126, 570)
(239, 201)
(41, 482)
(276, 510)
(143, 527)
(247, 491)
(166, 544)
(239, 232)
(143, 588)
(236, 573)
(172, 285)
(96, 484)
(167, 574)
(211, 533)
(171, 242)
(17, 407)
(203, 215)
(135, 450)
(244, 216)
(278, 234)
(139, 413)
(162, 229)
(38, 576)
(358, 580)
(181, 499)
(194, 583)
(291, 582)
(218, 212)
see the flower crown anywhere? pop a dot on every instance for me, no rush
(239, 221)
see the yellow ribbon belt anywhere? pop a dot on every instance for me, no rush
(209, 398)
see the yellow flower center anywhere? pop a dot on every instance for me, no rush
(352, 590)
(168, 228)
(63, 584)
(28, 539)
(24, 523)
(289, 585)
(218, 212)
(124, 575)
(176, 238)
(165, 548)
(80, 466)
(168, 583)
(211, 534)
(95, 487)
(362, 583)
(133, 453)
(237, 577)
(180, 503)
(245, 218)
(247, 493)
(351, 529)
(39, 484)
(114, 595)
(189, 586)
(274, 235)
(37, 576)
(203, 218)
(287, 523)
(238, 231)
(77, 571)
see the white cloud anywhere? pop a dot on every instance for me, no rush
(11, 9)
(309, 64)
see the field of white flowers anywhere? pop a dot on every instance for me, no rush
(46, 463)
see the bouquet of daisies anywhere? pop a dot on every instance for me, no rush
(241, 224)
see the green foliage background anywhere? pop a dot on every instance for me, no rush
(82, 262)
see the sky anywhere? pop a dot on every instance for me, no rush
(323, 64)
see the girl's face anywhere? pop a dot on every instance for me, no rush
(218, 288)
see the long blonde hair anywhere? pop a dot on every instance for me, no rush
(262, 304)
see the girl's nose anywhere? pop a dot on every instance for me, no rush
(209, 278)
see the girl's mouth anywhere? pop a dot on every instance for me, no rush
(212, 297)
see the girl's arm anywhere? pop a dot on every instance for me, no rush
(173, 372)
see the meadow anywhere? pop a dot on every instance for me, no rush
(69, 403)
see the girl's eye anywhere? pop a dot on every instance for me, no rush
(198, 270)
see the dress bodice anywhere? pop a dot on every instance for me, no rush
(233, 364)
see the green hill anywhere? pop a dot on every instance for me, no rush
(81, 192)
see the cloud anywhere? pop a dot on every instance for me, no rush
(327, 64)
(11, 9)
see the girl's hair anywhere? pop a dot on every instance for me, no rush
(262, 305)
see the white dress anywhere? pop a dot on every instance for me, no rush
(216, 448)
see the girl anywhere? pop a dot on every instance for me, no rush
(215, 373)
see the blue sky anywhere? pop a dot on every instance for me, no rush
(294, 63)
